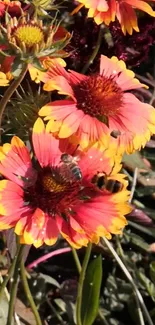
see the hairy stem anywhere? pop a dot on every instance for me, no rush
(14, 286)
(10, 272)
(28, 293)
(95, 52)
(9, 92)
(76, 259)
(81, 282)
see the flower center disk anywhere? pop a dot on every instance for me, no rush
(55, 191)
(29, 34)
(98, 96)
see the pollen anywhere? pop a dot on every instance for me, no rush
(98, 96)
(29, 34)
(50, 184)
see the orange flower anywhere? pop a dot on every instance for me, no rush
(55, 197)
(99, 105)
(106, 11)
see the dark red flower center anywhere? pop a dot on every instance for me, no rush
(98, 96)
(55, 191)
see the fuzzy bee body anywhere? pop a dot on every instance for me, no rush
(71, 162)
(111, 185)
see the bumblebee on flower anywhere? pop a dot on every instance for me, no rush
(44, 201)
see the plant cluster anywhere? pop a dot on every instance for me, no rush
(72, 111)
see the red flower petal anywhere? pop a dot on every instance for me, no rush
(11, 198)
(46, 147)
(15, 161)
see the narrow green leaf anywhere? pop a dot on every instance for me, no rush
(91, 291)
(49, 279)
(149, 231)
(138, 241)
(152, 271)
(150, 287)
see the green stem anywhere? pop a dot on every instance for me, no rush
(9, 92)
(80, 284)
(14, 286)
(95, 52)
(28, 293)
(55, 312)
(10, 272)
(139, 311)
(130, 279)
(76, 259)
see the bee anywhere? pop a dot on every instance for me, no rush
(111, 185)
(71, 162)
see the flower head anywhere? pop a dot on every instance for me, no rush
(28, 40)
(30, 34)
(98, 105)
(12, 7)
(58, 196)
(106, 12)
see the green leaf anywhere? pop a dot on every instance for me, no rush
(149, 231)
(4, 306)
(91, 291)
(132, 308)
(61, 304)
(150, 287)
(138, 241)
(135, 160)
(49, 279)
(67, 307)
(37, 64)
(152, 271)
(17, 67)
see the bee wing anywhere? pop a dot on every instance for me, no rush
(65, 171)
(76, 159)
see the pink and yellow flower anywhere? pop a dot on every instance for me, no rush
(46, 199)
(124, 10)
(98, 105)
